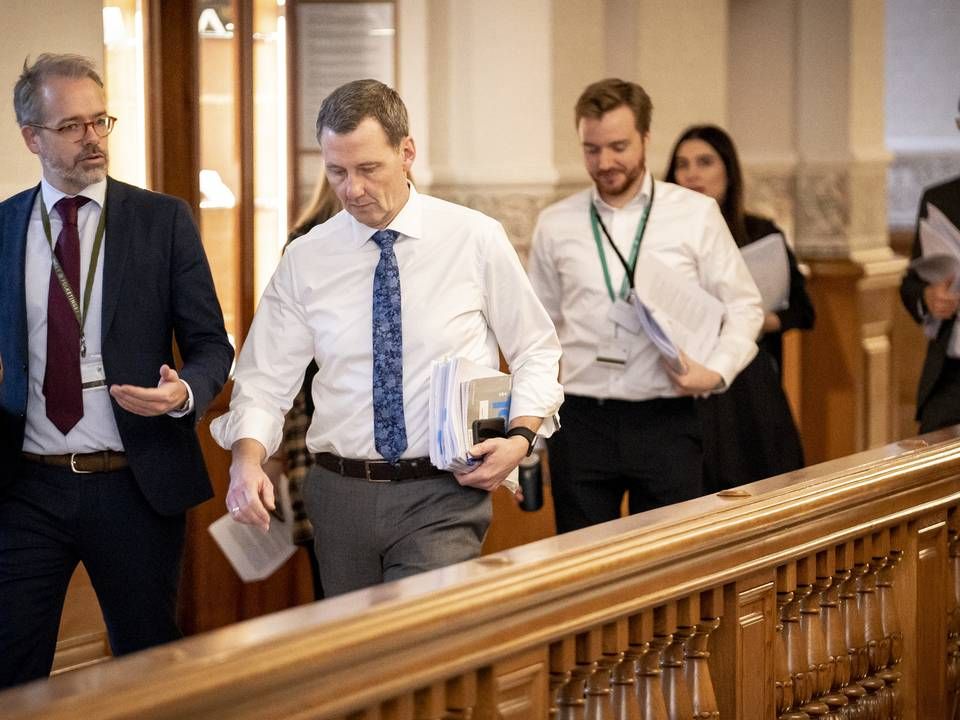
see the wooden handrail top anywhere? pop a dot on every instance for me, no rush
(430, 627)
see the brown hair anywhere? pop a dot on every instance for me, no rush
(605, 95)
(347, 106)
(27, 98)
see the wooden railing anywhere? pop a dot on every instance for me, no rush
(831, 592)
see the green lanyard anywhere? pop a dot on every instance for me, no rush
(597, 224)
(68, 291)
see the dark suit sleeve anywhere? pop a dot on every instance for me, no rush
(197, 318)
(912, 286)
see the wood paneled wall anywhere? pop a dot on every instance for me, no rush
(829, 586)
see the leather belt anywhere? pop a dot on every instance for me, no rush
(378, 470)
(83, 463)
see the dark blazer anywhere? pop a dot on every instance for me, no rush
(946, 197)
(157, 286)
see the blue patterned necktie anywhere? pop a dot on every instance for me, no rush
(389, 428)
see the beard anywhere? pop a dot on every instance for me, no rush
(617, 182)
(75, 174)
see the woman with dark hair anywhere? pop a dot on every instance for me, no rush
(748, 431)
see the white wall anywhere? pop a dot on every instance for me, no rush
(923, 86)
(32, 27)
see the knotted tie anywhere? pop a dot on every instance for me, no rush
(389, 429)
(62, 386)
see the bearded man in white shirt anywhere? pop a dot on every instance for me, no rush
(630, 424)
(375, 294)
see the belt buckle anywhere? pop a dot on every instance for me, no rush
(366, 468)
(73, 466)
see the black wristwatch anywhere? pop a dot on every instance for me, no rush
(527, 433)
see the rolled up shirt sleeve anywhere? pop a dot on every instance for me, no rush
(724, 275)
(270, 367)
(524, 332)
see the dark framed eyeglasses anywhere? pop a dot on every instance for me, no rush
(74, 131)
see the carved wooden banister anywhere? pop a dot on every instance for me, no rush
(523, 633)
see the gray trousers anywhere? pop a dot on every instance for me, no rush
(367, 532)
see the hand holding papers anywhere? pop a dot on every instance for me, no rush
(683, 312)
(939, 265)
(462, 392)
(253, 554)
(767, 262)
(940, 249)
(668, 350)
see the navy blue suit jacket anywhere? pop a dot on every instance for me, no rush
(157, 286)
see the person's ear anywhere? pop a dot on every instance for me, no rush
(408, 152)
(31, 138)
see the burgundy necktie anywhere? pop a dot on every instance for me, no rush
(62, 386)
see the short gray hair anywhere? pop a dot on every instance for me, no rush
(27, 98)
(349, 105)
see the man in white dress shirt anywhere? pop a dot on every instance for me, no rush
(630, 423)
(377, 293)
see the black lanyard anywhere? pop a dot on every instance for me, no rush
(629, 268)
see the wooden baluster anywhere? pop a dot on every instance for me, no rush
(571, 704)
(668, 640)
(879, 563)
(793, 645)
(461, 693)
(853, 631)
(837, 676)
(953, 617)
(877, 640)
(624, 671)
(697, 654)
(890, 617)
(569, 701)
(429, 703)
(813, 637)
(866, 591)
(599, 688)
(400, 708)
(783, 682)
(650, 700)
(371, 714)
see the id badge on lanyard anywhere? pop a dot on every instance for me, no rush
(622, 312)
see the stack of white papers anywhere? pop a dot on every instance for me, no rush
(767, 262)
(938, 261)
(676, 313)
(462, 392)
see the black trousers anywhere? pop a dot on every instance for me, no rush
(651, 449)
(51, 519)
(942, 407)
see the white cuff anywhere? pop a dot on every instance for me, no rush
(187, 407)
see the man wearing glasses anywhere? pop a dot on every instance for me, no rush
(934, 305)
(98, 455)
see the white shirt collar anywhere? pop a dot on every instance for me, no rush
(638, 200)
(408, 222)
(51, 196)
